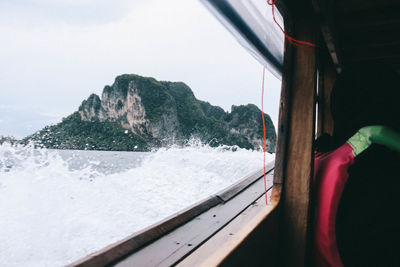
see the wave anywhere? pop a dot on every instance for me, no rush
(58, 206)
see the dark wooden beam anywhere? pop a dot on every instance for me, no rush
(132, 243)
(323, 10)
(283, 129)
(247, 240)
(298, 90)
(326, 79)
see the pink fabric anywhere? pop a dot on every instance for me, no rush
(330, 177)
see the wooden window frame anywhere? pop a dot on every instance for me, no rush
(283, 227)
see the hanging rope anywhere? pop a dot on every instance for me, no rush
(265, 136)
(297, 43)
(293, 41)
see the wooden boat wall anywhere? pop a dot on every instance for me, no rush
(235, 227)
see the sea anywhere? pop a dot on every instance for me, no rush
(57, 206)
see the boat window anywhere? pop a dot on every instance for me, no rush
(257, 25)
(114, 116)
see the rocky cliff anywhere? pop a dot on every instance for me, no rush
(137, 113)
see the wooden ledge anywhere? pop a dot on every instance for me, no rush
(222, 244)
(116, 252)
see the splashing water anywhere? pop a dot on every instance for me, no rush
(58, 206)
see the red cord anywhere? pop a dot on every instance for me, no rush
(293, 41)
(297, 43)
(265, 136)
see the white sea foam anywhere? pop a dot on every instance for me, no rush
(54, 211)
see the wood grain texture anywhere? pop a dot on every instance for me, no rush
(226, 241)
(237, 197)
(329, 80)
(284, 103)
(323, 10)
(176, 245)
(233, 190)
(295, 209)
(327, 76)
(137, 240)
(260, 245)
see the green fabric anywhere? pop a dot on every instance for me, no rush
(374, 135)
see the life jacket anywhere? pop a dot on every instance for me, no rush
(330, 177)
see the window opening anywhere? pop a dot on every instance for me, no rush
(113, 120)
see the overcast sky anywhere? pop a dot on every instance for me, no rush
(55, 53)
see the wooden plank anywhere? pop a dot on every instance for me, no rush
(284, 103)
(295, 209)
(323, 9)
(137, 240)
(320, 101)
(222, 244)
(172, 247)
(326, 81)
(236, 188)
(260, 246)
(329, 81)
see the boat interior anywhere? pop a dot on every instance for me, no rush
(236, 227)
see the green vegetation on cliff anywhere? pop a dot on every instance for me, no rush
(138, 113)
(73, 133)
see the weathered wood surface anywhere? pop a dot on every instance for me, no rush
(326, 81)
(260, 245)
(323, 10)
(236, 188)
(174, 246)
(137, 240)
(283, 121)
(134, 242)
(295, 206)
(226, 241)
